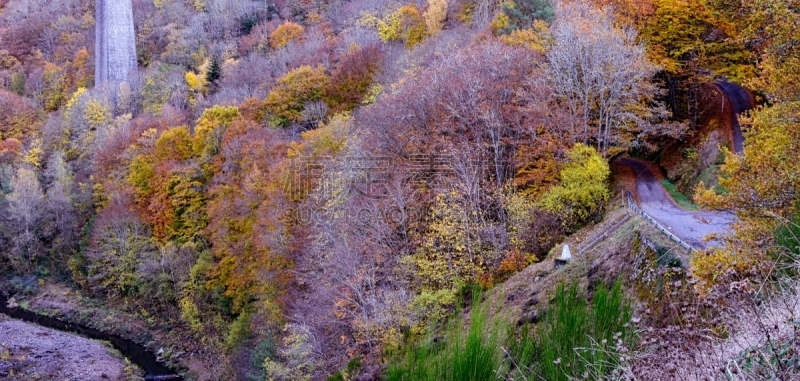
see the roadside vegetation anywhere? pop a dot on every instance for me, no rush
(576, 337)
(679, 197)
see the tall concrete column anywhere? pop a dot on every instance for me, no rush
(115, 45)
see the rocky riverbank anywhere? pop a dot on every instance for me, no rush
(31, 352)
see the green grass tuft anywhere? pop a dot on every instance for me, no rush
(679, 197)
(475, 356)
(575, 338)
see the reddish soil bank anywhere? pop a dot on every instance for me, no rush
(690, 226)
(719, 106)
(739, 100)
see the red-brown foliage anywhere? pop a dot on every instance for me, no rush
(352, 77)
(17, 119)
(9, 149)
(471, 98)
(23, 37)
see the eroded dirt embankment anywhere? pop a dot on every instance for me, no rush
(31, 352)
(738, 100)
(690, 226)
(698, 157)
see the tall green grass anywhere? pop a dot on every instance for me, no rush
(475, 356)
(575, 338)
(788, 234)
(611, 314)
(787, 238)
(565, 329)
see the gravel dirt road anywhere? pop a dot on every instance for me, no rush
(690, 226)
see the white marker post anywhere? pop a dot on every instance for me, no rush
(565, 257)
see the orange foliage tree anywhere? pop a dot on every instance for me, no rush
(284, 34)
(246, 209)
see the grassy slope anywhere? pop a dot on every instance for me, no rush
(526, 292)
(679, 197)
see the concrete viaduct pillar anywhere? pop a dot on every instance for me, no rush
(115, 45)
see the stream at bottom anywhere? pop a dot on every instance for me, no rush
(154, 370)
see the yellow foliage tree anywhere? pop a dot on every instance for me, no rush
(762, 185)
(33, 155)
(449, 256)
(405, 24)
(296, 360)
(708, 267)
(536, 38)
(96, 114)
(372, 94)
(191, 314)
(300, 86)
(170, 192)
(685, 34)
(73, 99)
(284, 34)
(209, 130)
(174, 144)
(328, 139)
(519, 207)
(140, 175)
(772, 24)
(583, 187)
(55, 87)
(435, 16)
(499, 22)
(155, 93)
(195, 82)
(766, 177)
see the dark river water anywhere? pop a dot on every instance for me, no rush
(137, 354)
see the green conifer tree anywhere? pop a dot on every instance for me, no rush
(214, 71)
(524, 12)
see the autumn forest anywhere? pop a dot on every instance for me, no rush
(408, 190)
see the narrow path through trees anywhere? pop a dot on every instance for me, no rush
(653, 199)
(690, 226)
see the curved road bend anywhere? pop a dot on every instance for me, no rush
(690, 226)
(740, 101)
